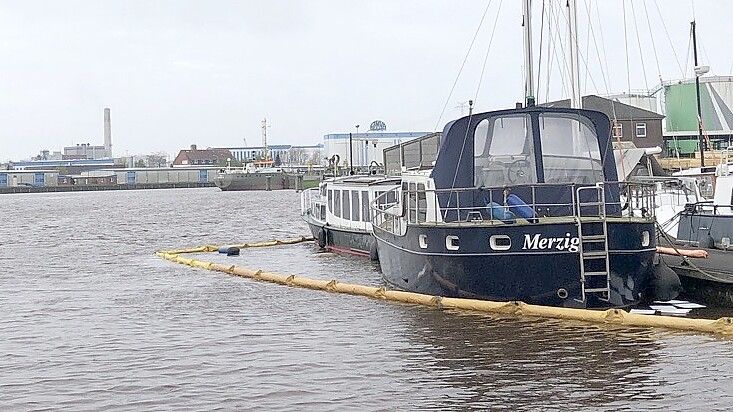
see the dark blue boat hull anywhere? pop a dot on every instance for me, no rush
(533, 275)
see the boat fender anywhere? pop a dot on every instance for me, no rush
(521, 209)
(373, 252)
(229, 250)
(500, 213)
(665, 284)
(322, 238)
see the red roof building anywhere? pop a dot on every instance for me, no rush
(204, 157)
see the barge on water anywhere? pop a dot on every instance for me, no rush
(259, 175)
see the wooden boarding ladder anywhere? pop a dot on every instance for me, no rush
(593, 247)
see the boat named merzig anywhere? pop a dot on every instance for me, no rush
(521, 204)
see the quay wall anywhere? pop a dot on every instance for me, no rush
(88, 188)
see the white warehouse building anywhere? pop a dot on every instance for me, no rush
(366, 147)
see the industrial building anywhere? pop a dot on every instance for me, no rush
(680, 109)
(89, 151)
(366, 147)
(676, 100)
(34, 178)
(111, 176)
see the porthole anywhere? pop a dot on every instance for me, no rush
(452, 242)
(500, 242)
(645, 238)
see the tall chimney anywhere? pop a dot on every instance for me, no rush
(107, 132)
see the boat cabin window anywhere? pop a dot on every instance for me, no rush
(390, 198)
(422, 203)
(365, 206)
(347, 206)
(570, 151)
(412, 203)
(330, 201)
(503, 151)
(355, 205)
(337, 203)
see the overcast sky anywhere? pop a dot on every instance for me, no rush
(207, 72)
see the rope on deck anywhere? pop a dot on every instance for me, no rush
(723, 326)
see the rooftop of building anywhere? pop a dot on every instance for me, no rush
(20, 171)
(622, 111)
(66, 162)
(273, 147)
(205, 154)
(374, 135)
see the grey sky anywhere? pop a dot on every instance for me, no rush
(182, 72)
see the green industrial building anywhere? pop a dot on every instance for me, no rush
(680, 104)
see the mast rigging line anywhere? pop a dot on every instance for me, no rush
(488, 49)
(604, 75)
(562, 64)
(687, 55)
(582, 58)
(470, 109)
(626, 48)
(539, 60)
(550, 53)
(638, 43)
(654, 46)
(587, 48)
(463, 64)
(669, 38)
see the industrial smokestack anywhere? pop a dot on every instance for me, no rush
(107, 133)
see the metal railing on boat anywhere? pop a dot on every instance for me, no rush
(395, 209)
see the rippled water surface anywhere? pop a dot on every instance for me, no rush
(90, 319)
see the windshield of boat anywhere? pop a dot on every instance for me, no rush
(570, 151)
(504, 151)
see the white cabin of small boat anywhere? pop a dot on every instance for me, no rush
(344, 203)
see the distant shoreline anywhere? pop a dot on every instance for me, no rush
(97, 188)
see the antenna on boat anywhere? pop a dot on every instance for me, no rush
(576, 100)
(529, 80)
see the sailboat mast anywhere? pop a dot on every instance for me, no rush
(576, 100)
(529, 77)
(697, 90)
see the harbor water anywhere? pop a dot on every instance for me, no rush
(90, 319)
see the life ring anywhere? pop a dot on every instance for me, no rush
(322, 238)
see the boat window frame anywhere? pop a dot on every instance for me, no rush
(597, 164)
(422, 203)
(412, 202)
(346, 204)
(365, 206)
(337, 202)
(495, 161)
(355, 206)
